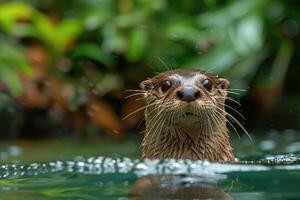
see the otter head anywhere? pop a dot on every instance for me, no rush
(186, 98)
(184, 104)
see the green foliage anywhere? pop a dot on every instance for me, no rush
(54, 35)
(11, 62)
(10, 13)
(94, 52)
(78, 51)
(230, 38)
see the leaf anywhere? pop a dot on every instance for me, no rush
(249, 35)
(183, 29)
(67, 30)
(94, 52)
(137, 43)
(113, 40)
(229, 14)
(45, 30)
(56, 36)
(11, 80)
(98, 15)
(11, 12)
(12, 61)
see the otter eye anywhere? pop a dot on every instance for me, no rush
(165, 86)
(207, 84)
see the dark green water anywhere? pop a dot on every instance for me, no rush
(269, 168)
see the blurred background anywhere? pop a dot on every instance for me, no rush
(65, 66)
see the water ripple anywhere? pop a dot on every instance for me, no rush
(107, 165)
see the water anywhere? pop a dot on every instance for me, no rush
(269, 168)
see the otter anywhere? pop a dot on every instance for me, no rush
(185, 116)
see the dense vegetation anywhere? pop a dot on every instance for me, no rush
(64, 65)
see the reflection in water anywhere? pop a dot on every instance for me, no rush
(178, 187)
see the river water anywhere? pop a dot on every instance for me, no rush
(269, 168)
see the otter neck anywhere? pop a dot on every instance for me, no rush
(204, 142)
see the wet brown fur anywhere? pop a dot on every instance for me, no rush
(181, 130)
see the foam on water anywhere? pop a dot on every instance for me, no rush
(107, 165)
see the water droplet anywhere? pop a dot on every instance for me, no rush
(14, 151)
(267, 145)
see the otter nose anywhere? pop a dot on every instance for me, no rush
(188, 94)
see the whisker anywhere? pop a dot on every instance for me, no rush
(138, 110)
(134, 91)
(209, 122)
(206, 127)
(236, 93)
(140, 123)
(238, 89)
(173, 115)
(157, 123)
(215, 120)
(138, 99)
(154, 119)
(159, 130)
(220, 119)
(155, 109)
(236, 121)
(230, 99)
(132, 95)
(233, 127)
(198, 112)
(236, 111)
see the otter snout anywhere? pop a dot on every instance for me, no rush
(188, 94)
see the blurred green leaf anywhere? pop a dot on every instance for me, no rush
(249, 35)
(57, 36)
(130, 19)
(12, 61)
(114, 40)
(67, 31)
(14, 58)
(97, 16)
(11, 80)
(183, 29)
(94, 52)
(235, 11)
(137, 43)
(10, 13)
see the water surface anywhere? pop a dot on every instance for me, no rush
(268, 169)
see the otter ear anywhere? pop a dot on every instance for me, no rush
(146, 85)
(224, 83)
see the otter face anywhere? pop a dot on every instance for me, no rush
(185, 96)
